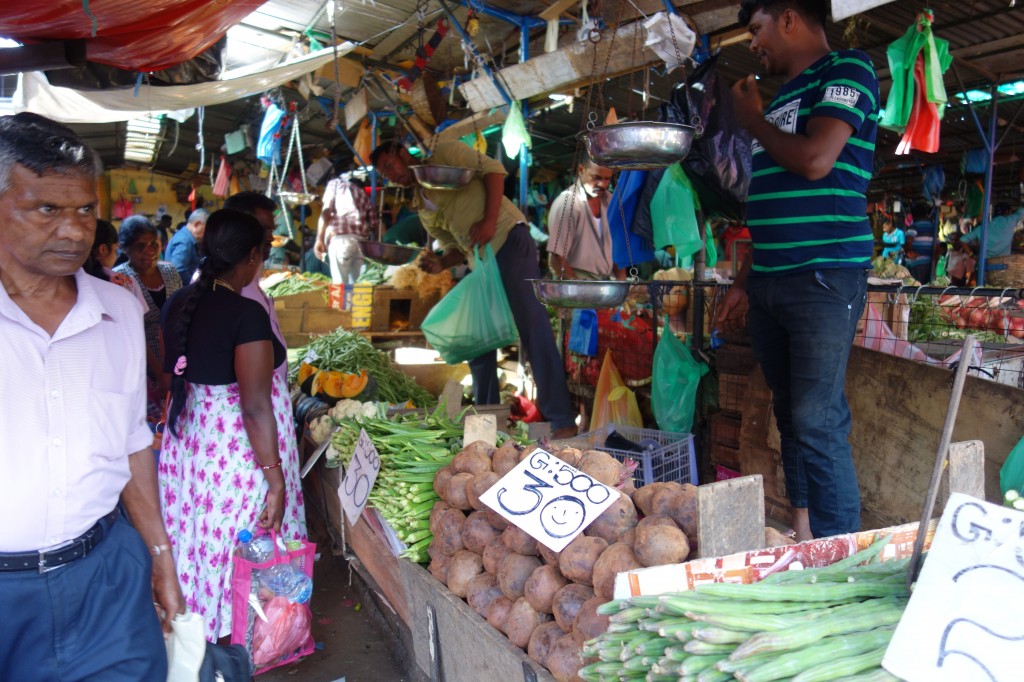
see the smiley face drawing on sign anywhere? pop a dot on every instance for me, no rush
(562, 516)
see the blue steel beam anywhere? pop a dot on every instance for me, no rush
(468, 42)
(524, 151)
(341, 132)
(990, 146)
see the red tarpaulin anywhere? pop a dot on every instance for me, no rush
(144, 36)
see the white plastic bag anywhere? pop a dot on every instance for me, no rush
(660, 38)
(186, 648)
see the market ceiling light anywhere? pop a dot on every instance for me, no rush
(142, 138)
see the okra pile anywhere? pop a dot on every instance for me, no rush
(814, 625)
(412, 449)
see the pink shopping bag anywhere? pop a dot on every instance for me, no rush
(282, 634)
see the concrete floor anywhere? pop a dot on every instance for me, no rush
(353, 643)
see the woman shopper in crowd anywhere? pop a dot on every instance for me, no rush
(157, 281)
(229, 460)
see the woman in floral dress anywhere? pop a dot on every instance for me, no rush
(229, 460)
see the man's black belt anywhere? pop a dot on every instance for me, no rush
(79, 547)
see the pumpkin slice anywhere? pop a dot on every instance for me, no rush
(353, 384)
(327, 386)
(306, 374)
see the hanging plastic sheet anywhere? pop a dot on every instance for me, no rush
(917, 99)
(934, 181)
(222, 186)
(628, 249)
(141, 36)
(719, 162)
(676, 379)
(66, 105)
(268, 149)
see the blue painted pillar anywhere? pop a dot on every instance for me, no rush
(524, 151)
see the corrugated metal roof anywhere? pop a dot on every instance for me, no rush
(985, 36)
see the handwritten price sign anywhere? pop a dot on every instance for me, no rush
(360, 476)
(550, 500)
(962, 622)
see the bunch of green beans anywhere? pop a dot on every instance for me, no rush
(815, 625)
(411, 450)
(350, 352)
(300, 284)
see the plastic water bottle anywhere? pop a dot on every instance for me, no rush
(287, 581)
(256, 550)
(284, 580)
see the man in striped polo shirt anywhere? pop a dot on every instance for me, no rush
(804, 289)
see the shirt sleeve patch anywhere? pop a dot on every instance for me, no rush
(841, 94)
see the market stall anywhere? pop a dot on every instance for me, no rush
(628, 597)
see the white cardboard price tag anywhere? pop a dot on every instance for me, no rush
(481, 427)
(961, 622)
(359, 478)
(550, 500)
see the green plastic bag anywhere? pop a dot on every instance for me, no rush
(513, 133)
(1011, 475)
(710, 248)
(674, 213)
(473, 318)
(674, 388)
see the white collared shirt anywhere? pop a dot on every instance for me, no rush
(73, 408)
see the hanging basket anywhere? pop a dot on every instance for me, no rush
(443, 177)
(639, 145)
(427, 100)
(297, 198)
(571, 293)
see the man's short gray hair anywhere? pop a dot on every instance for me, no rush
(200, 215)
(43, 146)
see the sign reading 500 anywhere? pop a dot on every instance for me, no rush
(549, 499)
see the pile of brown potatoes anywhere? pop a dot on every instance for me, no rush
(546, 602)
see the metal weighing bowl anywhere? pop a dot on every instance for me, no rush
(443, 177)
(388, 254)
(639, 145)
(580, 293)
(297, 198)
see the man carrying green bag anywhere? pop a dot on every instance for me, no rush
(480, 215)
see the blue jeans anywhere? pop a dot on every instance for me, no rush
(517, 260)
(801, 328)
(91, 619)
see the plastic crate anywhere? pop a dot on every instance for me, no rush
(671, 459)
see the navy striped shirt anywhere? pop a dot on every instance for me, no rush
(797, 224)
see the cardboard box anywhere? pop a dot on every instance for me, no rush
(752, 566)
(308, 299)
(399, 309)
(362, 306)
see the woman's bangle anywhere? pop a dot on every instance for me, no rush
(268, 467)
(157, 550)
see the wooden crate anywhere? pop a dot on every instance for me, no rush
(470, 649)
(399, 309)
(364, 538)
(723, 455)
(725, 428)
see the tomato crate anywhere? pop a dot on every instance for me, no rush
(666, 456)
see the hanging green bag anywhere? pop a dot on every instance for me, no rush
(674, 387)
(674, 209)
(513, 133)
(473, 318)
(1011, 475)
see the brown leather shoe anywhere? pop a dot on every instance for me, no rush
(564, 432)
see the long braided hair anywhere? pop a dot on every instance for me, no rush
(230, 238)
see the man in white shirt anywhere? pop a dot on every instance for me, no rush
(77, 582)
(579, 245)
